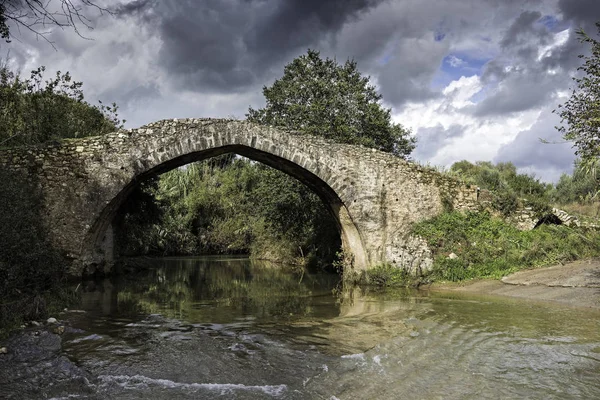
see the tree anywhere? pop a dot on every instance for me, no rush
(34, 15)
(324, 98)
(582, 111)
(581, 186)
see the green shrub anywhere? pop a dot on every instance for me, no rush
(386, 275)
(504, 182)
(36, 110)
(32, 272)
(506, 202)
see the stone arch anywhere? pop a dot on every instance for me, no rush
(375, 196)
(98, 245)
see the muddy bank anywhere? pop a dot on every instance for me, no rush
(575, 284)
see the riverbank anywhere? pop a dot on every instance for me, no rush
(575, 284)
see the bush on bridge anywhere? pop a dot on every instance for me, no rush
(35, 110)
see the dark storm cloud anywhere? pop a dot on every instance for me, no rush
(431, 140)
(521, 28)
(403, 78)
(134, 8)
(294, 24)
(520, 91)
(229, 45)
(202, 47)
(526, 84)
(583, 12)
(529, 83)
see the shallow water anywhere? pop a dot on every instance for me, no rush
(231, 328)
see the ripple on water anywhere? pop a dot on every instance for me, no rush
(144, 383)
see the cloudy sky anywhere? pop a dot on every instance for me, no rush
(473, 79)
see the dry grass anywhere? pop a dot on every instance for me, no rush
(585, 210)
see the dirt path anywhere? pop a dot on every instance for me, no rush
(575, 284)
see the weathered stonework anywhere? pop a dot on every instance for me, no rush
(375, 197)
(527, 219)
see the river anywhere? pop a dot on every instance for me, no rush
(231, 328)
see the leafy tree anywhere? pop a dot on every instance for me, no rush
(324, 98)
(34, 15)
(582, 111)
(35, 110)
(580, 187)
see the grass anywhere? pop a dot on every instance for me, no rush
(584, 211)
(488, 247)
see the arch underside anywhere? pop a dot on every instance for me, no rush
(96, 246)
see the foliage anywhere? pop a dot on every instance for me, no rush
(581, 112)
(229, 205)
(35, 14)
(581, 187)
(500, 177)
(35, 110)
(30, 268)
(488, 247)
(324, 98)
(32, 272)
(387, 275)
(506, 184)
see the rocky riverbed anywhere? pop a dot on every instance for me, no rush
(33, 362)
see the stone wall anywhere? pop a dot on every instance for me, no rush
(375, 197)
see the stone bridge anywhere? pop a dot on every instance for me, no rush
(374, 196)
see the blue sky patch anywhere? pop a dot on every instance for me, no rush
(454, 66)
(457, 65)
(553, 24)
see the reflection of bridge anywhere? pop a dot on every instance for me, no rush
(374, 196)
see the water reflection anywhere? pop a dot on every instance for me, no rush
(212, 289)
(314, 309)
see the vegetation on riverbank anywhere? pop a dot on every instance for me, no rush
(485, 246)
(477, 245)
(32, 273)
(32, 111)
(229, 205)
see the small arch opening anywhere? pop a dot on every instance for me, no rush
(548, 219)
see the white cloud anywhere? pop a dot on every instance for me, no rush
(560, 39)
(482, 137)
(455, 62)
